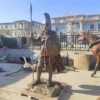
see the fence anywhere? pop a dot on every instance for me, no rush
(18, 42)
(68, 42)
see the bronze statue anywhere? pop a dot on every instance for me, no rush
(94, 42)
(50, 57)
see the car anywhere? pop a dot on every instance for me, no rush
(23, 56)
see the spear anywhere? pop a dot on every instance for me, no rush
(31, 37)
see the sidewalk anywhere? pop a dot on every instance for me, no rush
(80, 85)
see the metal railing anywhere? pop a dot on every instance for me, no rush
(68, 42)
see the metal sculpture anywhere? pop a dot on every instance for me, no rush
(50, 57)
(95, 47)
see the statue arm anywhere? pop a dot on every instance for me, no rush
(37, 39)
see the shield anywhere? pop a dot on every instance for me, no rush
(53, 45)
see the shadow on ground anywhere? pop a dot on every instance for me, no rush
(4, 81)
(66, 93)
(87, 89)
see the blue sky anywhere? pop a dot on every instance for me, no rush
(11, 10)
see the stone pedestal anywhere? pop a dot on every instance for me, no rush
(42, 92)
(81, 61)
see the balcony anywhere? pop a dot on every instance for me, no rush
(92, 18)
(60, 21)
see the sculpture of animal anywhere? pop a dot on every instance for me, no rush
(90, 38)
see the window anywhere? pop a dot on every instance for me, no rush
(98, 26)
(55, 28)
(89, 27)
(1, 26)
(15, 26)
(5, 26)
(16, 33)
(8, 26)
(57, 21)
(86, 27)
(9, 33)
(21, 25)
(37, 25)
(63, 29)
(75, 27)
(28, 25)
(27, 31)
(33, 24)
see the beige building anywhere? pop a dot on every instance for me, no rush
(67, 25)
(20, 28)
(77, 24)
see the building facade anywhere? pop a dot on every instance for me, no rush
(66, 25)
(76, 24)
(20, 28)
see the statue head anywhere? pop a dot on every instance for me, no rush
(47, 21)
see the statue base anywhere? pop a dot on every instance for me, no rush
(42, 91)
